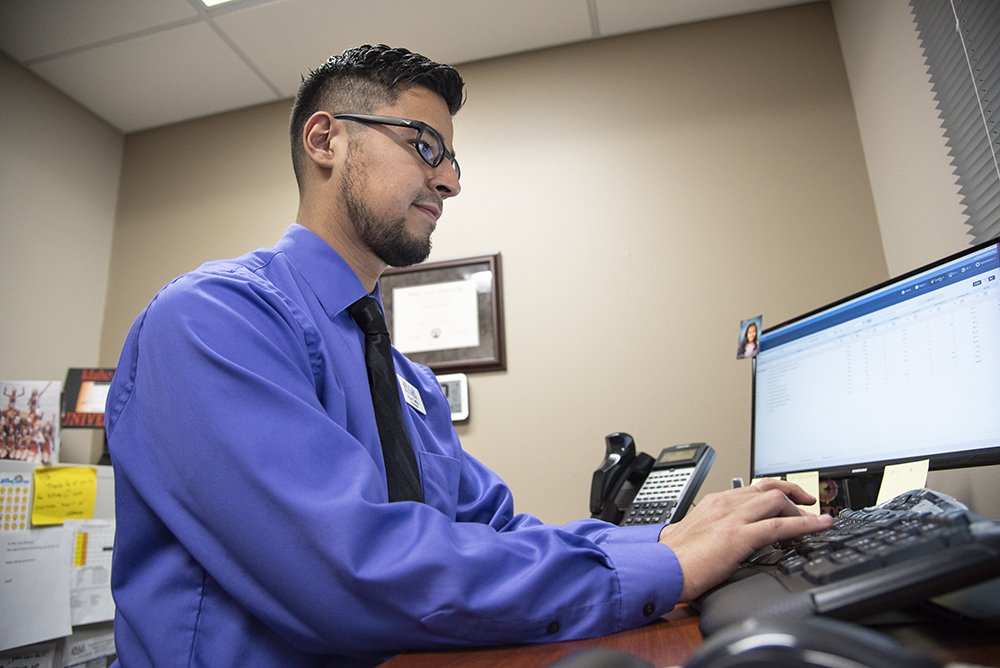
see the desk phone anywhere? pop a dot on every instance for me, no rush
(632, 488)
(671, 485)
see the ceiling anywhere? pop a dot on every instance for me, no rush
(140, 64)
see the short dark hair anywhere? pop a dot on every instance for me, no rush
(361, 80)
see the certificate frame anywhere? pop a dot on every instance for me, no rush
(490, 354)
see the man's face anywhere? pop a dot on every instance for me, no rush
(392, 196)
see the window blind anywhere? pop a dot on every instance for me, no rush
(961, 43)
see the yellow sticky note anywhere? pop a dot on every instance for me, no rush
(809, 481)
(899, 478)
(64, 493)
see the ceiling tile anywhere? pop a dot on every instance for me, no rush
(32, 29)
(618, 16)
(170, 76)
(450, 31)
(143, 63)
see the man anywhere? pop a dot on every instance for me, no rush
(256, 523)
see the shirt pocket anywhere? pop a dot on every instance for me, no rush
(439, 475)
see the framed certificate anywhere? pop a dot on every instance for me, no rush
(448, 315)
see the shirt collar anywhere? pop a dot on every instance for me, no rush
(327, 273)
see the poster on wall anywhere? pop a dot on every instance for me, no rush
(29, 421)
(84, 397)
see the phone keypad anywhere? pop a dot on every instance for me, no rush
(655, 502)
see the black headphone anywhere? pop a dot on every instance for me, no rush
(810, 642)
(780, 642)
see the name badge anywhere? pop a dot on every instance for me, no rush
(412, 395)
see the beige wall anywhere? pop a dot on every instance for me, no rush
(212, 188)
(59, 169)
(682, 194)
(647, 193)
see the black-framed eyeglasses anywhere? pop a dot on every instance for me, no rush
(429, 142)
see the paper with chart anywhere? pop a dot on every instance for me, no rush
(90, 576)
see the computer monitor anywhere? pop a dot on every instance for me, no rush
(904, 371)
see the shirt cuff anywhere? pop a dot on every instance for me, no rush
(650, 578)
(637, 533)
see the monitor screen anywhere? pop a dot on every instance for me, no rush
(904, 371)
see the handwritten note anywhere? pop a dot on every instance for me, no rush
(64, 493)
(899, 478)
(35, 585)
(34, 656)
(809, 481)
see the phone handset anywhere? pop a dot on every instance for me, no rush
(671, 486)
(618, 477)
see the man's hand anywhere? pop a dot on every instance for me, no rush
(727, 527)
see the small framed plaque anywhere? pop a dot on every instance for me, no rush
(456, 388)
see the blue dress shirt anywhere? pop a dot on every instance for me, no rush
(253, 524)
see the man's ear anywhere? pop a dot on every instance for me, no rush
(322, 139)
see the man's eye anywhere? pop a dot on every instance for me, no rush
(425, 150)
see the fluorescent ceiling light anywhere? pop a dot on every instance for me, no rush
(213, 3)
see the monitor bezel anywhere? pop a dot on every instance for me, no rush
(951, 460)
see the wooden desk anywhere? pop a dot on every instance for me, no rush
(669, 641)
(672, 639)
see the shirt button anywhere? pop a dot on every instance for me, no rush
(648, 609)
(553, 628)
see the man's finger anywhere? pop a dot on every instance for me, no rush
(784, 528)
(766, 504)
(790, 489)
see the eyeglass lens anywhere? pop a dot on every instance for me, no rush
(431, 147)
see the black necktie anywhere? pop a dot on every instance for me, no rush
(400, 463)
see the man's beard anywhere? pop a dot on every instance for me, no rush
(387, 238)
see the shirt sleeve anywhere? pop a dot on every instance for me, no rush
(246, 480)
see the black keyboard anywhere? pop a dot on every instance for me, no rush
(916, 546)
